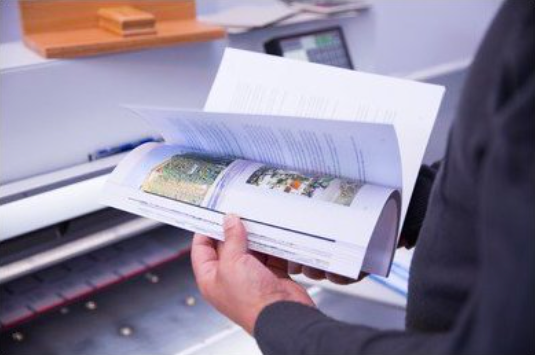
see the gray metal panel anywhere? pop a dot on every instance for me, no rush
(160, 320)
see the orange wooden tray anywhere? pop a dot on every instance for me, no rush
(69, 28)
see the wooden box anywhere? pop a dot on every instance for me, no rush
(73, 28)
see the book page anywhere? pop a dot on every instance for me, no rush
(323, 216)
(315, 220)
(360, 151)
(256, 83)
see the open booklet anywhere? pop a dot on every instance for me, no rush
(328, 193)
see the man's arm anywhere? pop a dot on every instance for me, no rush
(293, 328)
(418, 205)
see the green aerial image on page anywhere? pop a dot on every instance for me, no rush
(325, 188)
(185, 178)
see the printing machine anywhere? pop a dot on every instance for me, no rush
(78, 278)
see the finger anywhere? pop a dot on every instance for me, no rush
(277, 263)
(283, 274)
(403, 242)
(203, 258)
(294, 268)
(339, 279)
(313, 273)
(362, 275)
(235, 238)
(260, 257)
(203, 248)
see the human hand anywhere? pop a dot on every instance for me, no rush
(240, 283)
(316, 274)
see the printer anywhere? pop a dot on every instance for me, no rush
(75, 276)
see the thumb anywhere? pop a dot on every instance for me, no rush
(235, 238)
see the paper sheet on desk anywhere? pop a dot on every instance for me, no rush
(250, 16)
(249, 82)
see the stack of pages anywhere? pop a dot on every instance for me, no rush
(319, 162)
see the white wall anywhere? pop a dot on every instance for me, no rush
(394, 37)
(415, 34)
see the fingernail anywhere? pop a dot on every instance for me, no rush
(230, 221)
(294, 268)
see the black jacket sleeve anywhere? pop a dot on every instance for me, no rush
(418, 205)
